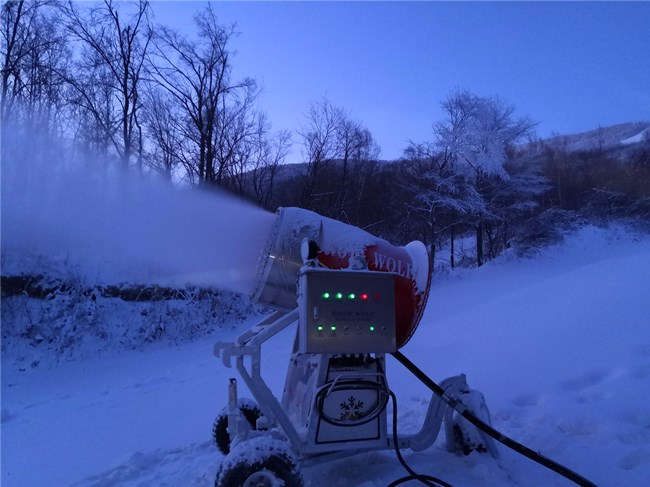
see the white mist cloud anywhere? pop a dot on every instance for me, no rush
(117, 226)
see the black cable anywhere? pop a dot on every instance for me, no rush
(429, 480)
(509, 442)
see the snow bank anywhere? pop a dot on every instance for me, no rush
(73, 322)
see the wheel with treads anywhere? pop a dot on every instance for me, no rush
(466, 437)
(251, 412)
(262, 461)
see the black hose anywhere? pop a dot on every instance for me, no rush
(509, 442)
(429, 480)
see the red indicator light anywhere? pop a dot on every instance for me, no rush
(364, 297)
(377, 297)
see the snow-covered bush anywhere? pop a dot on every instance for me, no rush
(65, 318)
(547, 228)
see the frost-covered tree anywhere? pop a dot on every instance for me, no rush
(475, 138)
(478, 131)
(512, 202)
(441, 198)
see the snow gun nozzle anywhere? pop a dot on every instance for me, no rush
(339, 246)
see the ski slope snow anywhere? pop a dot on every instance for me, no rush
(559, 345)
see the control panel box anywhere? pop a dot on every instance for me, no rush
(347, 312)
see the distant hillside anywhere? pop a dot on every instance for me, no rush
(603, 138)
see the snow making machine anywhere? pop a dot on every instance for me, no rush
(355, 299)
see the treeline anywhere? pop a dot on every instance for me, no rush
(482, 174)
(107, 81)
(103, 78)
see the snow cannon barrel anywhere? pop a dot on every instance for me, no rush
(341, 246)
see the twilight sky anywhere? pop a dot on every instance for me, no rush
(569, 66)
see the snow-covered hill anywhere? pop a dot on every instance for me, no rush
(642, 136)
(603, 138)
(559, 345)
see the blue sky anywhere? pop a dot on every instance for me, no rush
(569, 66)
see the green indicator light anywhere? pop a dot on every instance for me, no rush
(352, 296)
(333, 327)
(339, 295)
(372, 328)
(326, 295)
(320, 328)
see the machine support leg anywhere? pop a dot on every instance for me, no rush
(234, 415)
(232, 396)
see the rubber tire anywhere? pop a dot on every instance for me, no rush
(220, 428)
(241, 465)
(463, 440)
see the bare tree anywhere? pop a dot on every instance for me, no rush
(319, 136)
(34, 53)
(96, 129)
(365, 162)
(238, 129)
(272, 152)
(340, 153)
(16, 22)
(197, 74)
(242, 144)
(161, 122)
(109, 79)
(355, 145)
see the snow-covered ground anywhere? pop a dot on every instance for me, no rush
(558, 344)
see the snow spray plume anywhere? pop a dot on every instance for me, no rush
(112, 226)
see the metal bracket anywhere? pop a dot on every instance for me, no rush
(430, 429)
(249, 344)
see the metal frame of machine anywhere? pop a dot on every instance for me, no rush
(249, 345)
(336, 392)
(358, 298)
(314, 377)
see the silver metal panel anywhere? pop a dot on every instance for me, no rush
(348, 406)
(280, 261)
